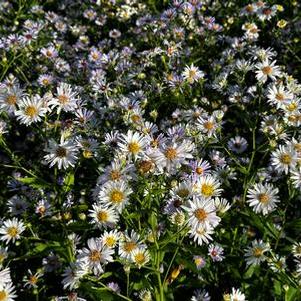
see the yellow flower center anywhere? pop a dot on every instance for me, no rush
(170, 153)
(226, 297)
(45, 81)
(257, 252)
(292, 106)
(110, 241)
(63, 99)
(154, 143)
(200, 231)
(3, 295)
(129, 246)
(249, 8)
(13, 232)
(33, 279)
(102, 216)
(263, 198)
(182, 193)
(115, 175)
(208, 125)
(280, 96)
(134, 147)
(135, 118)
(42, 210)
(192, 74)
(95, 255)
(292, 118)
(267, 70)
(285, 159)
(297, 147)
(87, 154)
(198, 261)
(139, 258)
(207, 190)
(179, 218)
(95, 55)
(254, 30)
(31, 111)
(145, 166)
(116, 196)
(11, 99)
(61, 152)
(279, 265)
(200, 214)
(199, 170)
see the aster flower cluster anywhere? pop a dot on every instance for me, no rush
(150, 150)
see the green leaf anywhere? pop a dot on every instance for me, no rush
(34, 182)
(277, 288)
(140, 284)
(68, 182)
(250, 271)
(106, 275)
(291, 294)
(153, 220)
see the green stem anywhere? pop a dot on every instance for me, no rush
(170, 264)
(161, 291)
(104, 286)
(127, 283)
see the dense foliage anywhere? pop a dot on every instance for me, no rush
(150, 150)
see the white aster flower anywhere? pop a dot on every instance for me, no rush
(296, 249)
(96, 255)
(173, 155)
(255, 253)
(237, 295)
(7, 292)
(277, 263)
(216, 252)
(200, 295)
(284, 158)
(62, 154)
(65, 99)
(73, 274)
(103, 216)
(267, 69)
(111, 238)
(30, 109)
(201, 234)
(192, 74)
(9, 98)
(201, 212)
(115, 194)
(140, 256)
(238, 144)
(132, 144)
(11, 230)
(278, 95)
(128, 244)
(208, 186)
(31, 280)
(263, 198)
(208, 125)
(221, 205)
